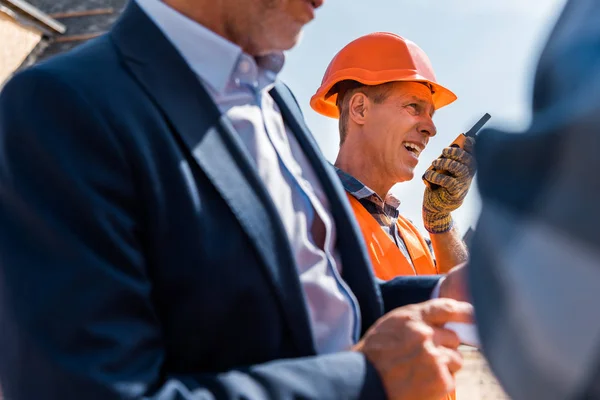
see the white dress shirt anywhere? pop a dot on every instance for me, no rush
(239, 85)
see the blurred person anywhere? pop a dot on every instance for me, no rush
(169, 229)
(535, 275)
(383, 90)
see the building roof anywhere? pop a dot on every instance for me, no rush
(26, 14)
(83, 19)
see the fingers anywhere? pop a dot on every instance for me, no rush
(469, 144)
(439, 311)
(413, 354)
(446, 338)
(445, 181)
(450, 358)
(460, 155)
(448, 381)
(455, 168)
(448, 362)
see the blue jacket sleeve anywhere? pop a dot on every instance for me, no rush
(76, 316)
(406, 290)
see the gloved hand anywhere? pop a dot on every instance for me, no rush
(458, 167)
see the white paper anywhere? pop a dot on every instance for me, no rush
(467, 333)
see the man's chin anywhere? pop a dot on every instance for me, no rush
(280, 45)
(291, 42)
(406, 176)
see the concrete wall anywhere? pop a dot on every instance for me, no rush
(16, 42)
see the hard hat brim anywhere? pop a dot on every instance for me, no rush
(327, 106)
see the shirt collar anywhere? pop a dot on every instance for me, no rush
(361, 191)
(212, 57)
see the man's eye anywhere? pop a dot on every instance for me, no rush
(415, 107)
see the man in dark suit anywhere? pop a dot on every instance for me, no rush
(169, 229)
(535, 257)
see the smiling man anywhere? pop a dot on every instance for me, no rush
(384, 92)
(169, 229)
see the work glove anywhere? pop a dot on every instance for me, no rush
(451, 179)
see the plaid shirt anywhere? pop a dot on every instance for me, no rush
(385, 212)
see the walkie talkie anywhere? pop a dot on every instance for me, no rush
(460, 142)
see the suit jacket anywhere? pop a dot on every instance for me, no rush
(140, 254)
(534, 259)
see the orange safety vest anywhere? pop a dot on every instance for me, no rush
(387, 259)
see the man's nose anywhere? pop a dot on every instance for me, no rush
(427, 127)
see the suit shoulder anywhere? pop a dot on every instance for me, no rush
(32, 85)
(43, 107)
(85, 63)
(63, 87)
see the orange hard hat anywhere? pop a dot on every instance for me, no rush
(374, 59)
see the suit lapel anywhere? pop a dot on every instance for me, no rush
(357, 270)
(213, 144)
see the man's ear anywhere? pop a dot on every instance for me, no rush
(358, 108)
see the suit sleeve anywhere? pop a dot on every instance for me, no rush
(405, 290)
(76, 316)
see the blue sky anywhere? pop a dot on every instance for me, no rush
(483, 50)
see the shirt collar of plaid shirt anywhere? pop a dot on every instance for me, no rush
(361, 191)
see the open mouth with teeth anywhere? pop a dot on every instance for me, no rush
(413, 148)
